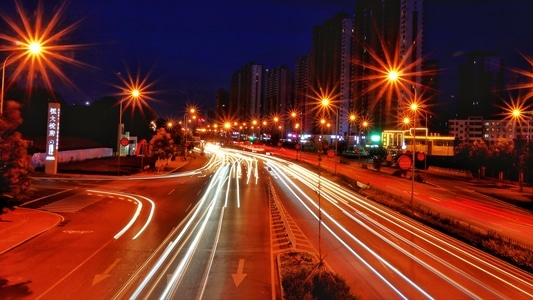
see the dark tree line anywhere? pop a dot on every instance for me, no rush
(97, 122)
(498, 160)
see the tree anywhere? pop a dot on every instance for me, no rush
(15, 166)
(162, 145)
(526, 162)
(462, 155)
(502, 158)
(479, 154)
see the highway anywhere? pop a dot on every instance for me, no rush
(208, 232)
(221, 244)
(389, 255)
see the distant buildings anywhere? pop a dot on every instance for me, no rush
(348, 62)
(489, 130)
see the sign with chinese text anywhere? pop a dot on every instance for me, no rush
(52, 137)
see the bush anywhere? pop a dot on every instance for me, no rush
(304, 277)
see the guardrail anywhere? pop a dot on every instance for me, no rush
(278, 215)
(451, 172)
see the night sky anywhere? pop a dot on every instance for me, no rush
(191, 48)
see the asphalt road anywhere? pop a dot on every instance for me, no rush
(382, 254)
(83, 257)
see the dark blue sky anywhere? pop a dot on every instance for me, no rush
(191, 48)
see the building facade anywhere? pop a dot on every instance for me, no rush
(247, 92)
(388, 34)
(329, 70)
(491, 131)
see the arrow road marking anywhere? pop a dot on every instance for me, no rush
(100, 277)
(239, 276)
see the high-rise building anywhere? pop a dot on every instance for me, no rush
(345, 100)
(387, 34)
(301, 89)
(329, 69)
(278, 91)
(247, 92)
(481, 82)
(411, 40)
(279, 97)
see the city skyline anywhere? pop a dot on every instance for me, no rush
(192, 50)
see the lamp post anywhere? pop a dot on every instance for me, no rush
(294, 116)
(365, 125)
(254, 125)
(516, 115)
(33, 49)
(3, 79)
(189, 112)
(322, 123)
(134, 94)
(414, 110)
(227, 127)
(426, 148)
(263, 131)
(352, 118)
(276, 120)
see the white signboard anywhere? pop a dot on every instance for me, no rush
(52, 137)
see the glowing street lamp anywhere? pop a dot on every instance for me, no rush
(34, 44)
(135, 94)
(32, 50)
(275, 120)
(414, 109)
(517, 116)
(365, 125)
(325, 102)
(227, 127)
(254, 126)
(190, 112)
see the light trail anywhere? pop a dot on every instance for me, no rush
(291, 188)
(183, 232)
(136, 214)
(345, 197)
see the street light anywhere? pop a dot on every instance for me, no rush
(322, 123)
(365, 125)
(414, 109)
(33, 49)
(325, 103)
(294, 116)
(227, 127)
(516, 115)
(254, 125)
(352, 118)
(191, 111)
(134, 94)
(276, 119)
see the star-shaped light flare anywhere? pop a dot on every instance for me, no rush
(135, 91)
(36, 46)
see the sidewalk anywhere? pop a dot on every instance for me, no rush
(21, 224)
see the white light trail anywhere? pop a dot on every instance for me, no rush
(133, 218)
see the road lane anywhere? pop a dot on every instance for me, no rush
(242, 263)
(221, 249)
(405, 257)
